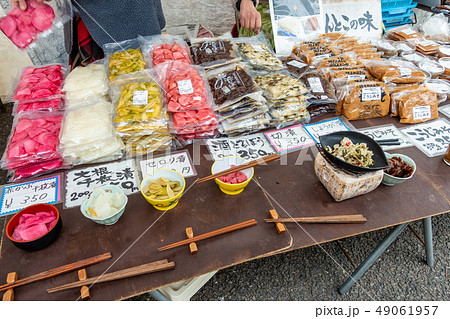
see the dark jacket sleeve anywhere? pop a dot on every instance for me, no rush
(238, 4)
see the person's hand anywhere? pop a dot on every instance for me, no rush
(22, 4)
(249, 17)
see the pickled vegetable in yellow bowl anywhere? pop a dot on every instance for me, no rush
(225, 163)
(168, 177)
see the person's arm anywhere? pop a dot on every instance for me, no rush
(249, 17)
(22, 4)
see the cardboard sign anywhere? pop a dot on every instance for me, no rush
(81, 182)
(249, 147)
(289, 139)
(432, 138)
(326, 127)
(385, 132)
(18, 196)
(180, 162)
(358, 18)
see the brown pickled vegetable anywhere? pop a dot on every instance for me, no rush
(399, 168)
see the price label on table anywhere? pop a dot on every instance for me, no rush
(432, 138)
(81, 182)
(385, 132)
(180, 162)
(289, 139)
(16, 197)
(445, 110)
(249, 147)
(326, 127)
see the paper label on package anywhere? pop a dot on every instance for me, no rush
(427, 43)
(81, 182)
(197, 98)
(316, 85)
(405, 71)
(179, 162)
(445, 110)
(249, 147)
(297, 64)
(408, 31)
(185, 87)
(289, 139)
(404, 47)
(325, 127)
(421, 112)
(225, 89)
(322, 56)
(356, 77)
(371, 94)
(140, 97)
(257, 47)
(18, 196)
(386, 132)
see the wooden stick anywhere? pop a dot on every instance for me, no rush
(9, 294)
(58, 271)
(279, 226)
(343, 219)
(121, 274)
(192, 246)
(213, 233)
(238, 168)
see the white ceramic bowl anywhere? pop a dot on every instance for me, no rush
(390, 180)
(111, 219)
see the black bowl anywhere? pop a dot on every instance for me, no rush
(40, 242)
(379, 159)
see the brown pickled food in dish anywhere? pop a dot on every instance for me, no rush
(399, 168)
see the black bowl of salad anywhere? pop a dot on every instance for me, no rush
(353, 151)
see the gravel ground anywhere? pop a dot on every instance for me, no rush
(316, 273)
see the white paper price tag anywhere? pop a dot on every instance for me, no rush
(386, 132)
(140, 97)
(325, 127)
(289, 139)
(185, 87)
(355, 77)
(316, 85)
(405, 72)
(421, 112)
(297, 64)
(18, 196)
(371, 94)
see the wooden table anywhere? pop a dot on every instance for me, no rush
(294, 190)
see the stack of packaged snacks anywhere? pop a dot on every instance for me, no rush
(258, 55)
(140, 118)
(162, 48)
(393, 72)
(212, 52)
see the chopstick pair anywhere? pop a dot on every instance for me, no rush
(259, 161)
(342, 219)
(387, 142)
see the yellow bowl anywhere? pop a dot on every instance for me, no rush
(171, 175)
(226, 163)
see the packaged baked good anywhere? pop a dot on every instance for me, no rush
(417, 106)
(388, 71)
(445, 62)
(358, 101)
(415, 57)
(425, 46)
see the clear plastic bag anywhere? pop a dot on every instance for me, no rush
(144, 144)
(247, 126)
(123, 58)
(34, 137)
(212, 52)
(258, 54)
(289, 113)
(193, 121)
(320, 89)
(85, 83)
(163, 47)
(40, 83)
(391, 71)
(50, 106)
(23, 27)
(137, 97)
(279, 86)
(185, 86)
(37, 169)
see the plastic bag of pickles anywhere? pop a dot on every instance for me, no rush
(123, 58)
(140, 117)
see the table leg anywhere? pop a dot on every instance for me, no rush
(428, 237)
(158, 295)
(372, 258)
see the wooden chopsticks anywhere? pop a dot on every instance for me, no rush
(259, 161)
(57, 271)
(343, 219)
(210, 234)
(120, 274)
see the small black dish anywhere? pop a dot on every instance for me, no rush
(40, 242)
(379, 159)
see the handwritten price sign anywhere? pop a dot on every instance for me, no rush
(289, 139)
(19, 196)
(179, 162)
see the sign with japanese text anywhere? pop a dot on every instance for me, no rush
(445, 110)
(359, 18)
(289, 139)
(249, 147)
(16, 197)
(387, 132)
(81, 182)
(180, 162)
(326, 127)
(432, 138)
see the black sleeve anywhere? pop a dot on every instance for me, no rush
(238, 4)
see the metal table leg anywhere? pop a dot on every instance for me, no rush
(428, 237)
(373, 256)
(158, 295)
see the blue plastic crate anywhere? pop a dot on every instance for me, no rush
(396, 24)
(398, 10)
(385, 4)
(397, 19)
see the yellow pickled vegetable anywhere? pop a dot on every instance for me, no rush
(143, 144)
(125, 62)
(162, 188)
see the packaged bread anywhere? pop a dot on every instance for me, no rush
(395, 90)
(417, 106)
(388, 71)
(358, 101)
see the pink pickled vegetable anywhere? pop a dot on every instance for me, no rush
(233, 178)
(40, 83)
(32, 226)
(51, 105)
(37, 169)
(22, 27)
(33, 140)
(168, 52)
